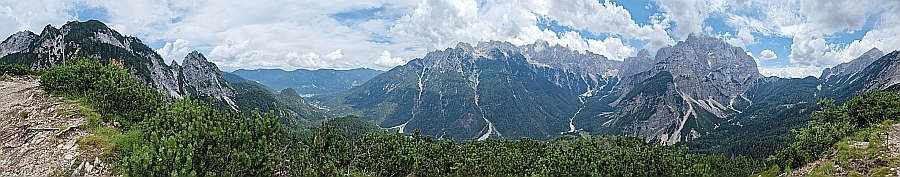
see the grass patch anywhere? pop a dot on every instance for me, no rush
(23, 114)
(862, 154)
(824, 169)
(104, 140)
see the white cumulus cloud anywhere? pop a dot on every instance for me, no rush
(767, 55)
(174, 50)
(385, 60)
(230, 52)
(337, 54)
(438, 24)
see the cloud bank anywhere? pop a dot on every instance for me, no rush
(810, 35)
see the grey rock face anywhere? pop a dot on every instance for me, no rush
(203, 77)
(853, 67)
(18, 42)
(886, 72)
(581, 72)
(634, 70)
(93, 39)
(706, 73)
(637, 64)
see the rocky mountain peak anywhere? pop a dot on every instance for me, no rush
(93, 39)
(464, 46)
(644, 54)
(198, 73)
(643, 61)
(853, 67)
(874, 51)
(195, 58)
(699, 73)
(49, 30)
(711, 71)
(503, 45)
(17, 42)
(884, 72)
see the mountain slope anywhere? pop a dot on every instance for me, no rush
(582, 73)
(853, 67)
(304, 81)
(196, 77)
(702, 80)
(292, 109)
(464, 93)
(200, 78)
(885, 72)
(93, 39)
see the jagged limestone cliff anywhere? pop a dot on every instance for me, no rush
(93, 39)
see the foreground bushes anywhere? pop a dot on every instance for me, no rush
(191, 138)
(834, 123)
(393, 154)
(10, 69)
(180, 138)
(109, 89)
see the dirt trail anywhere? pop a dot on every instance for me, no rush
(40, 142)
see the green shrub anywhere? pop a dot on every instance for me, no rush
(8, 69)
(110, 89)
(195, 139)
(23, 114)
(834, 123)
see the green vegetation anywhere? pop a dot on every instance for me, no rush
(23, 114)
(190, 138)
(110, 89)
(393, 154)
(765, 126)
(13, 69)
(834, 123)
(159, 138)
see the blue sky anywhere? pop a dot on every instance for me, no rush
(788, 38)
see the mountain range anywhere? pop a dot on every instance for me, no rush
(701, 92)
(701, 89)
(195, 77)
(307, 82)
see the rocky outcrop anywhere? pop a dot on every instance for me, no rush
(707, 74)
(16, 43)
(637, 64)
(885, 72)
(93, 39)
(853, 67)
(201, 78)
(581, 72)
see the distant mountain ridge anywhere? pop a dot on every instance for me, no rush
(196, 77)
(699, 87)
(321, 81)
(465, 92)
(93, 39)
